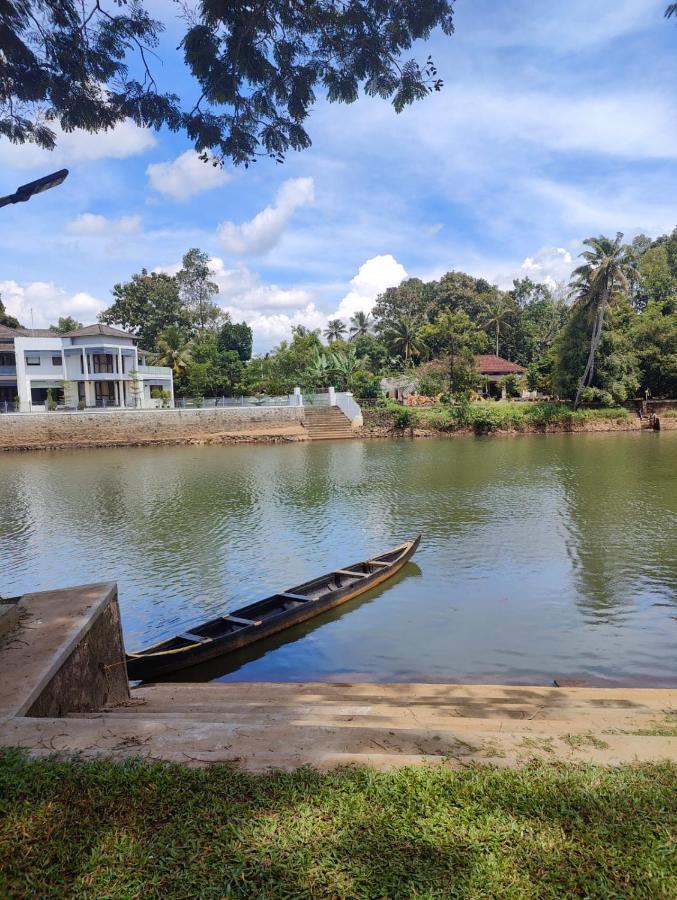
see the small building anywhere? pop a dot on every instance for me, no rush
(493, 368)
(94, 366)
(399, 387)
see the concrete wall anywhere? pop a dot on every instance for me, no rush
(138, 427)
(93, 676)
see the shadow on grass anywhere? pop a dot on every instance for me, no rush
(136, 829)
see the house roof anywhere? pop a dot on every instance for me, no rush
(99, 329)
(490, 364)
(87, 331)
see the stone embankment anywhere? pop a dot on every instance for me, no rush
(129, 428)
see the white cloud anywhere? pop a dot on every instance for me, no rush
(567, 27)
(373, 277)
(261, 233)
(272, 328)
(242, 288)
(185, 176)
(47, 303)
(88, 224)
(550, 265)
(124, 140)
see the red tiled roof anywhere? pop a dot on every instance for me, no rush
(490, 364)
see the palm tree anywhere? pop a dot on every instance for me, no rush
(499, 313)
(335, 330)
(360, 324)
(172, 350)
(401, 336)
(604, 277)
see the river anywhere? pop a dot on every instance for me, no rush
(542, 557)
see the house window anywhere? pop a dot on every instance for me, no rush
(32, 359)
(102, 362)
(56, 360)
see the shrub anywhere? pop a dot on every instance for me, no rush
(366, 386)
(403, 417)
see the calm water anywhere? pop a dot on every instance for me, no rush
(542, 557)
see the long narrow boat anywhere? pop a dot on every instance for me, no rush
(219, 636)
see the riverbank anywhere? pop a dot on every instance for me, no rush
(393, 420)
(271, 425)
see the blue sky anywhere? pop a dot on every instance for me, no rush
(557, 121)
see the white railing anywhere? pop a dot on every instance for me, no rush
(155, 371)
(349, 407)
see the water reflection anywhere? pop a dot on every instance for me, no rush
(542, 557)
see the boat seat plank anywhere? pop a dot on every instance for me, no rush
(193, 638)
(376, 562)
(288, 596)
(352, 572)
(236, 620)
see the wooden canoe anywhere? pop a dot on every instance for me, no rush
(243, 626)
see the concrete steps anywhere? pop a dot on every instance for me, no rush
(326, 423)
(264, 725)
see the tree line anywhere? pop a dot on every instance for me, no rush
(608, 335)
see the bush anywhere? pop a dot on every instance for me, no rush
(403, 417)
(365, 385)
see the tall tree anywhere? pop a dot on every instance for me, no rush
(603, 277)
(459, 339)
(147, 305)
(335, 330)
(196, 290)
(236, 336)
(258, 67)
(360, 324)
(499, 313)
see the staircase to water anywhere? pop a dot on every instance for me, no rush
(325, 423)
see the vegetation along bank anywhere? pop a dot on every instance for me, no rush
(394, 420)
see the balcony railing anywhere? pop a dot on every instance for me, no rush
(7, 370)
(156, 371)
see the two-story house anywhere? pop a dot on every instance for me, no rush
(94, 366)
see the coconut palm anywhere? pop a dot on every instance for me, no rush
(499, 312)
(604, 277)
(360, 324)
(335, 330)
(172, 350)
(402, 338)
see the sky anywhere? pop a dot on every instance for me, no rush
(556, 121)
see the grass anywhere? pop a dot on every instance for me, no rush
(483, 418)
(101, 829)
(580, 741)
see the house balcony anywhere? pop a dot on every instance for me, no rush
(163, 372)
(7, 370)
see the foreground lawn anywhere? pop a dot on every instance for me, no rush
(149, 830)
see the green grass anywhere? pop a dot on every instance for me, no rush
(483, 418)
(70, 829)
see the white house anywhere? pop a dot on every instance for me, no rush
(95, 366)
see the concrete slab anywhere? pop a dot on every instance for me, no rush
(52, 626)
(262, 726)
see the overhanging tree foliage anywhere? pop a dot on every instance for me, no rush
(258, 66)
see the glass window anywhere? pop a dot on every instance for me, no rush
(32, 359)
(56, 360)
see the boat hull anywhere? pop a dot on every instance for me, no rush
(148, 665)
